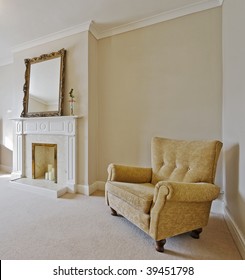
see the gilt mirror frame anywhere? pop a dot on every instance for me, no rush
(26, 88)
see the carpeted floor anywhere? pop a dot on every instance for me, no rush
(81, 227)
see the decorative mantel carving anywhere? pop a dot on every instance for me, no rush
(65, 126)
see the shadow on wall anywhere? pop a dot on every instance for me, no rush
(232, 155)
(235, 200)
(6, 155)
(1, 131)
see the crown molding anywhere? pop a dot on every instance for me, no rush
(53, 36)
(99, 34)
(186, 10)
(93, 28)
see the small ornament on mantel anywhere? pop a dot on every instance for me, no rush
(72, 102)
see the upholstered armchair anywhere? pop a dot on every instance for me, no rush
(174, 196)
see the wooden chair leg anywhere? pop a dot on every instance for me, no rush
(113, 212)
(160, 245)
(195, 233)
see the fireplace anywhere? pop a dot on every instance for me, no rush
(45, 152)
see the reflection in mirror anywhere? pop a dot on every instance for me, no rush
(44, 84)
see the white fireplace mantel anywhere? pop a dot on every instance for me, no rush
(65, 126)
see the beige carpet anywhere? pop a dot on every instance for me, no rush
(81, 227)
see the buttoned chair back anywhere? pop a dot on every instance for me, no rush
(184, 161)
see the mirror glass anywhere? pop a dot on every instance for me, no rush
(44, 85)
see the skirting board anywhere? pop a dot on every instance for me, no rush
(90, 189)
(235, 232)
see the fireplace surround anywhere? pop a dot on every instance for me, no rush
(59, 132)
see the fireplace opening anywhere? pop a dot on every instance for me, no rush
(44, 161)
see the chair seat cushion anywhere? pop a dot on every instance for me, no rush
(140, 196)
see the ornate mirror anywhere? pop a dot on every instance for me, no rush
(44, 85)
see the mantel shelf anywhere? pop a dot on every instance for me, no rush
(48, 118)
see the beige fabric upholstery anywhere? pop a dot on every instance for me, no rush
(140, 196)
(184, 161)
(174, 195)
(129, 174)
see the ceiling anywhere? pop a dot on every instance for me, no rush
(23, 21)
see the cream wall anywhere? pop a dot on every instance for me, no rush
(233, 115)
(93, 107)
(164, 80)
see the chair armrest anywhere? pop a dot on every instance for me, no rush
(129, 174)
(170, 195)
(186, 192)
